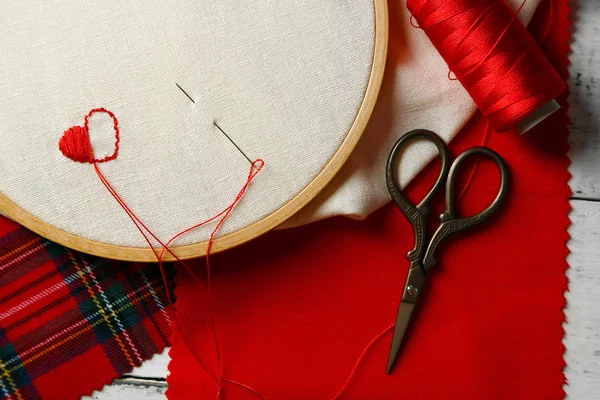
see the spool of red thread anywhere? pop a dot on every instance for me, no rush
(492, 54)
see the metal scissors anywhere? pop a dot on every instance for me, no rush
(422, 256)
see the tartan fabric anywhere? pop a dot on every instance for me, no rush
(71, 322)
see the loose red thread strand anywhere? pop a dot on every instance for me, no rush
(75, 144)
(548, 21)
(80, 148)
(254, 169)
(359, 360)
(139, 226)
(147, 234)
(491, 53)
(474, 170)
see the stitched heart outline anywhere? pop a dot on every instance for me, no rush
(75, 141)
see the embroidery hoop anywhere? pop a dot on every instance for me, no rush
(254, 229)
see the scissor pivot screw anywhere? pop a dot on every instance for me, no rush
(412, 291)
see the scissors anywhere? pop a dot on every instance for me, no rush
(422, 256)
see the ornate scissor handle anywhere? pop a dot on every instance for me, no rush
(450, 222)
(416, 215)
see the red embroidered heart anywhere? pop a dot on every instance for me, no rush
(75, 141)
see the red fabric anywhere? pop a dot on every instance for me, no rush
(294, 309)
(70, 317)
(492, 55)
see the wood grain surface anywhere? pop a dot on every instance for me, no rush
(582, 327)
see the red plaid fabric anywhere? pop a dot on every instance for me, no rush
(70, 322)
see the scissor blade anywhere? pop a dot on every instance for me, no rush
(402, 319)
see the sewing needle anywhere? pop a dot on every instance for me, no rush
(232, 142)
(215, 123)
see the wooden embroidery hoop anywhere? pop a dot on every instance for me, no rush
(255, 229)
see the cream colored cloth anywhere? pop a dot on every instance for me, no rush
(416, 93)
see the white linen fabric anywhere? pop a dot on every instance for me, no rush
(284, 79)
(416, 93)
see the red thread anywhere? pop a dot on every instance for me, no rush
(359, 360)
(256, 166)
(474, 170)
(492, 54)
(548, 22)
(75, 145)
(75, 141)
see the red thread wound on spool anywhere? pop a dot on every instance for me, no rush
(492, 54)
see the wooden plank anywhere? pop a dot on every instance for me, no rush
(130, 389)
(154, 368)
(585, 99)
(582, 327)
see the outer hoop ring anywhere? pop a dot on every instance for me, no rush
(258, 228)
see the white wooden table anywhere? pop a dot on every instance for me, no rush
(582, 330)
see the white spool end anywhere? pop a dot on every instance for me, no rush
(538, 116)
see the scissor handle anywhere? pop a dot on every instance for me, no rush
(450, 222)
(416, 215)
